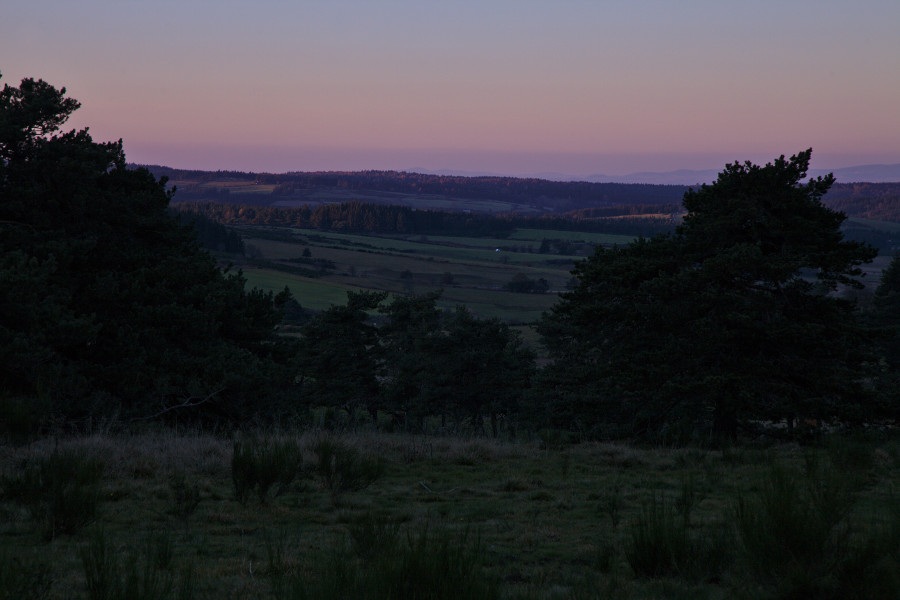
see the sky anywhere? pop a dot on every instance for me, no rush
(518, 87)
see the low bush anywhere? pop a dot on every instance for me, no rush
(342, 468)
(784, 527)
(434, 565)
(185, 498)
(139, 577)
(662, 545)
(372, 536)
(61, 491)
(258, 464)
(659, 544)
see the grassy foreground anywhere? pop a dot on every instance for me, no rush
(378, 515)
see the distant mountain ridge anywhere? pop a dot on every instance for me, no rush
(875, 173)
(497, 195)
(857, 174)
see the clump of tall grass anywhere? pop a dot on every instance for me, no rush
(799, 537)
(663, 545)
(342, 468)
(432, 564)
(659, 544)
(371, 536)
(137, 577)
(260, 463)
(795, 531)
(185, 497)
(61, 491)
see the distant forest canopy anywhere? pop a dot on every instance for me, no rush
(360, 217)
(540, 194)
(876, 201)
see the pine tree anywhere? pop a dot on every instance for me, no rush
(108, 305)
(731, 320)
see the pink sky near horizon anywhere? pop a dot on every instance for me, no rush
(511, 86)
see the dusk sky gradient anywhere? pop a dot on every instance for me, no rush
(503, 86)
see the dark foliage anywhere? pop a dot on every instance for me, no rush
(355, 217)
(452, 364)
(107, 304)
(214, 236)
(877, 201)
(61, 491)
(541, 194)
(729, 320)
(522, 284)
(359, 217)
(884, 319)
(340, 355)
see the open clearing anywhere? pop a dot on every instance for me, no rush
(554, 520)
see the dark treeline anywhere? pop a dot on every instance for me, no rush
(627, 225)
(359, 217)
(211, 234)
(354, 217)
(732, 323)
(539, 193)
(879, 201)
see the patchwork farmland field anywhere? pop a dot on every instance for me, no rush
(470, 271)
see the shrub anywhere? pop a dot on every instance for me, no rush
(185, 498)
(60, 491)
(661, 545)
(782, 525)
(261, 463)
(341, 468)
(794, 532)
(139, 578)
(434, 565)
(371, 536)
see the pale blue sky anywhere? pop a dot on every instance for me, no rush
(505, 86)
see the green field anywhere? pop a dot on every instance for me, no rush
(882, 225)
(402, 264)
(470, 271)
(533, 518)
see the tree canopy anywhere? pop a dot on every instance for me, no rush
(107, 304)
(733, 319)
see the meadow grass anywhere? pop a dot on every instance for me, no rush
(560, 520)
(538, 235)
(376, 263)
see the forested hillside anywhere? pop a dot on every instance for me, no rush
(534, 194)
(358, 217)
(876, 201)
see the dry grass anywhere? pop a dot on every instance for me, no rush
(555, 522)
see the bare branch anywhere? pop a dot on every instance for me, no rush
(189, 402)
